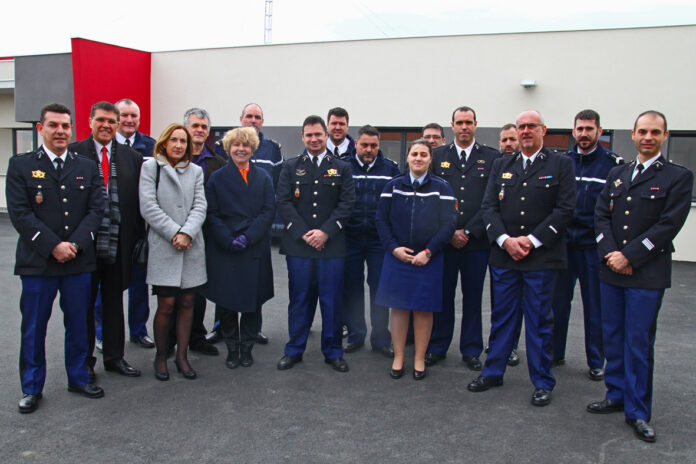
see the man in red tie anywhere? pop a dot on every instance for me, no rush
(119, 168)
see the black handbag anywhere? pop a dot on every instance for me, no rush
(141, 248)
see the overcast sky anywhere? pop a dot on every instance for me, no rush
(41, 26)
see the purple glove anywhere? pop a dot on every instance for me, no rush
(240, 243)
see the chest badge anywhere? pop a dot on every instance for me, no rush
(332, 172)
(506, 175)
(300, 172)
(445, 165)
(501, 194)
(481, 161)
(39, 197)
(38, 174)
(617, 182)
(297, 192)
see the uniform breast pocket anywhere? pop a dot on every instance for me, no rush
(300, 189)
(652, 203)
(332, 182)
(546, 190)
(39, 192)
(78, 187)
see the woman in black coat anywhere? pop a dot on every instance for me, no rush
(241, 207)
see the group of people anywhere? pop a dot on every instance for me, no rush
(535, 219)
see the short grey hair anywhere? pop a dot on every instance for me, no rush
(197, 112)
(126, 101)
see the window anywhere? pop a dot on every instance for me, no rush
(393, 143)
(25, 140)
(682, 149)
(562, 139)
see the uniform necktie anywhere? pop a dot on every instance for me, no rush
(527, 163)
(416, 184)
(59, 165)
(365, 168)
(639, 169)
(315, 161)
(105, 166)
(337, 153)
(128, 144)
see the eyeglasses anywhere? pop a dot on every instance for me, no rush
(434, 137)
(530, 126)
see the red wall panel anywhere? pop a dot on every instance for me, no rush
(108, 72)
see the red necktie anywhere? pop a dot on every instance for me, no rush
(105, 166)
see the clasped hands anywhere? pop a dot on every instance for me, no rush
(459, 239)
(64, 252)
(406, 255)
(181, 241)
(618, 263)
(518, 247)
(316, 238)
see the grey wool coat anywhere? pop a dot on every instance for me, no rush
(178, 205)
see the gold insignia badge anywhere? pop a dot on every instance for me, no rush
(507, 175)
(332, 172)
(38, 174)
(300, 172)
(481, 161)
(445, 165)
(617, 182)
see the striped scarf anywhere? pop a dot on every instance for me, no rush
(107, 234)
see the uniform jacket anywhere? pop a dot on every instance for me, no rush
(240, 281)
(591, 172)
(368, 187)
(143, 144)
(128, 162)
(177, 205)
(47, 209)
(641, 219)
(416, 218)
(540, 202)
(468, 181)
(315, 200)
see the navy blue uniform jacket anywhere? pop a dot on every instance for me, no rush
(309, 200)
(468, 181)
(591, 172)
(416, 218)
(641, 220)
(47, 210)
(143, 144)
(540, 202)
(368, 187)
(239, 280)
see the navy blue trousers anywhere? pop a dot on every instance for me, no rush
(583, 265)
(309, 280)
(529, 292)
(629, 320)
(36, 304)
(359, 253)
(471, 267)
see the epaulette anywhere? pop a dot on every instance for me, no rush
(616, 158)
(277, 143)
(677, 165)
(25, 153)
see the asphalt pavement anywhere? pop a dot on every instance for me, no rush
(312, 414)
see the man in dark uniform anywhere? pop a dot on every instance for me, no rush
(641, 209)
(592, 163)
(138, 296)
(119, 168)
(55, 201)
(528, 205)
(339, 143)
(315, 199)
(465, 164)
(371, 172)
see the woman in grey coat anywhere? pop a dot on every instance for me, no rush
(172, 202)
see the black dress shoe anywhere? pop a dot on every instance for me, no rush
(206, 348)
(558, 362)
(232, 361)
(121, 367)
(91, 374)
(541, 397)
(144, 341)
(387, 351)
(213, 337)
(89, 390)
(432, 358)
(352, 347)
(29, 403)
(643, 430)
(162, 376)
(513, 359)
(396, 373)
(606, 406)
(419, 375)
(596, 374)
(482, 383)
(261, 338)
(472, 362)
(338, 364)
(246, 359)
(286, 362)
(189, 374)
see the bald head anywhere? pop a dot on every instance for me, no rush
(530, 131)
(252, 116)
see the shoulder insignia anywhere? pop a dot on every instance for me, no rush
(616, 158)
(658, 165)
(25, 153)
(518, 156)
(38, 174)
(541, 155)
(445, 165)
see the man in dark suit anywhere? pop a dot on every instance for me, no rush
(128, 134)
(465, 164)
(641, 209)
(528, 204)
(119, 168)
(55, 200)
(315, 199)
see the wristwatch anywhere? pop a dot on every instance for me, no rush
(428, 254)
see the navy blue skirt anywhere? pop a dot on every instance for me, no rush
(405, 286)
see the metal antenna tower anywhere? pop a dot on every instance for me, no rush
(268, 27)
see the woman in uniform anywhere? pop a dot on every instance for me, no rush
(416, 218)
(172, 202)
(241, 208)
